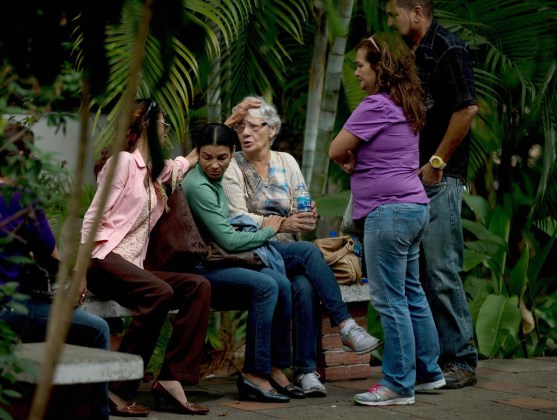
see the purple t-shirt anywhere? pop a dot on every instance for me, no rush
(29, 224)
(387, 159)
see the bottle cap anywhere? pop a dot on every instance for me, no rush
(364, 280)
(333, 234)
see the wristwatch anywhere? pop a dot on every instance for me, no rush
(436, 162)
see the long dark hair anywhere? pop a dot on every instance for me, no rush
(145, 113)
(396, 74)
(216, 134)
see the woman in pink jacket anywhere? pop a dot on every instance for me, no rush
(135, 203)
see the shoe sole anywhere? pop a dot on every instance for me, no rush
(375, 346)
(430, 386)
(315, 394)
(462, 384)
(397, 401)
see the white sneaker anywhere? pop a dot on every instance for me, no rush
(429, 386)
(358, 340)
(310, 384)
(381, 395)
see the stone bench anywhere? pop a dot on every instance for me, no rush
(78, 368)
(333, 363)
(80, 365)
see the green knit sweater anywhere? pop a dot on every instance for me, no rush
(210, 208)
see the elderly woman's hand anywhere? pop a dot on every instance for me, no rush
(274, 222)
(299, 222)
(241, 110)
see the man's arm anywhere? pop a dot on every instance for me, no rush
(456, 131)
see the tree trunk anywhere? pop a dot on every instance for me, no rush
(315, 91)
(329, 102)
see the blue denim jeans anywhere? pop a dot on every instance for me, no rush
(443, 252)
(85, 330)
(392, 235)
(267, 296)
(312, 281)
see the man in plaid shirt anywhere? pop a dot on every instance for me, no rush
(445, 69)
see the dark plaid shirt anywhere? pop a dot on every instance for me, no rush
(445, 69)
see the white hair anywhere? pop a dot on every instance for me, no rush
(267, 112)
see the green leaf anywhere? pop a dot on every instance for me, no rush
(472, 259)
(485, 247)
(483, 234)
(479, 206)
(477, 290)
(518, 278)
(498, 317)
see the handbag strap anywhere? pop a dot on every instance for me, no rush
(174, 175)
(338, 254)
(173, 182)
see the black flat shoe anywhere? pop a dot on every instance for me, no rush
(160, 392)
(291, 390)
(247, 388)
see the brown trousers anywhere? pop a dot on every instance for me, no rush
(150, 295)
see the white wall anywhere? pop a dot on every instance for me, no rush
(62, 146)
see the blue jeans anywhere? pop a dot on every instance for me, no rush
(85, 330)
(267, 296)
(312, 281)
(392, 235)
(443, 251)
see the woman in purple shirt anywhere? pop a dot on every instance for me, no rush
(25, 233)
(378, 146)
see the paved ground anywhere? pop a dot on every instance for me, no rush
(506, 389)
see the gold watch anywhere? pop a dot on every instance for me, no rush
(436, 162)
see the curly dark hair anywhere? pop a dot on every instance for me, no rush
(396, 73)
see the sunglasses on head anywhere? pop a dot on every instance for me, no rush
(151, 106)
(374, 43)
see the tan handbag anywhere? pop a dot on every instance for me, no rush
(338, 252)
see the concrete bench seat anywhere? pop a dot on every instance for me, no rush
(355, 293)
(333, 362)
(104, 308)
(81, 365)
(79, 368)
(110, 309)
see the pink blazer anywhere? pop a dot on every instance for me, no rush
(126, 197)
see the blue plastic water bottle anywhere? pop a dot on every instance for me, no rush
(303, 199)
(358, 249)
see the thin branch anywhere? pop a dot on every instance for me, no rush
(62, 306)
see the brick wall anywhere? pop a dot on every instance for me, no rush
(335, 364)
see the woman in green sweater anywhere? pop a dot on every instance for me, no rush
(266, 293)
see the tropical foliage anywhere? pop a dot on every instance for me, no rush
(200, 57)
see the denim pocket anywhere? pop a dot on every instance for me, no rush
(409, 221)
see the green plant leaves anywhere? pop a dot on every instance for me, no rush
(518, 278)
(497, 324)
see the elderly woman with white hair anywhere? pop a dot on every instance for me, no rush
(261, 182)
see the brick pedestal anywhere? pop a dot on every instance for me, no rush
(333, 363)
